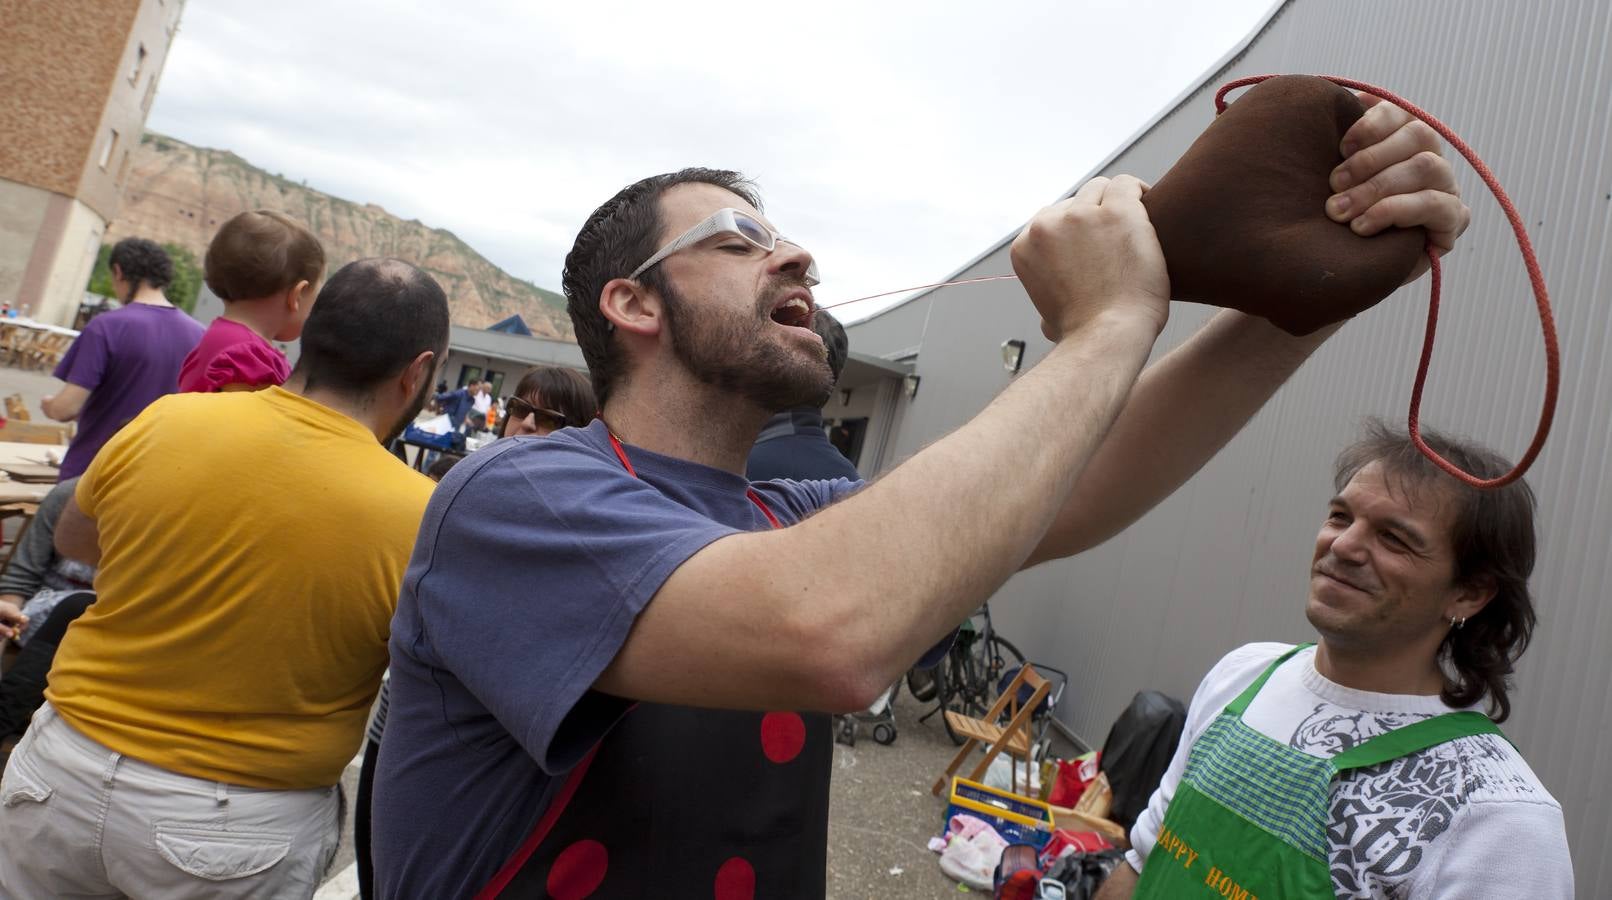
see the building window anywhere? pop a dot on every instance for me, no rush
(139, 63)
(111, 145)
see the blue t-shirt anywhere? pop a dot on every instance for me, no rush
(500, 763)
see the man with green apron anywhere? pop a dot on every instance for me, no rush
(1365, 767)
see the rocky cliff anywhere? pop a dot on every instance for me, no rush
(180, 194)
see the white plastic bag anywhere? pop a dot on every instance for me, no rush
(973, 848)
(435, 425)
(1000, 776)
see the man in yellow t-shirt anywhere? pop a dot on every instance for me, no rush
(251, 546)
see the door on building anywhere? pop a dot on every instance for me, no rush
(847, 436)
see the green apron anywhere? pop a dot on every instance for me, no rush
(1248, 820)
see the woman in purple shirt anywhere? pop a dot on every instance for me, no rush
(124, 359)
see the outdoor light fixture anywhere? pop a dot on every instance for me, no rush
(911, 381)
(1012, 355)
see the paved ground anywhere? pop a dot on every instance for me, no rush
(34, 386)
(881, 813)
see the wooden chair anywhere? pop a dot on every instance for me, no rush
(35, 433)
(24, 511)
(57, 351)
(14, 343)
(1014, 738)
(46, 351)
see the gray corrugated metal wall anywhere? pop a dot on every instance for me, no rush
(1225, 560)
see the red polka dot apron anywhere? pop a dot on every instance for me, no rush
(1248, 820)
(685, 802)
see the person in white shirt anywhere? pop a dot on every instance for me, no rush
(1369, 765)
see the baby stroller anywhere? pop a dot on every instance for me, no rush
(881, 715)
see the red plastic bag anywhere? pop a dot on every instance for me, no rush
(1065, 842)
(1074, 776)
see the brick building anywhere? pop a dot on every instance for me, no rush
(79, 78)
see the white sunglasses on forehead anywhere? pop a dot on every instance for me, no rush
(728, 221)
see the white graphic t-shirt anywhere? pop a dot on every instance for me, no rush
(1466, 820)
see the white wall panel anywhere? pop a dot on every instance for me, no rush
(1225, 560)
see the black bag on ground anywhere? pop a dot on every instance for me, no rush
(1083, 873)
(1138, 751)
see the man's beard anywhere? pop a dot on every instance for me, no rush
(736, 353)
(417, 404)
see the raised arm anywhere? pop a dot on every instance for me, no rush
(758, 621)
(1189, 404)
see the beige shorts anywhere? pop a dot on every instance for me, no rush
(78, 819)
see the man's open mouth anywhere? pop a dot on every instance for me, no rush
(795, 310)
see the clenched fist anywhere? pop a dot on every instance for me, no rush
(1093, 256)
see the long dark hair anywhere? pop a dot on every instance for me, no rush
(1493, 537)
(566, 391)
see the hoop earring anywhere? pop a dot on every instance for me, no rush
(1456, 624)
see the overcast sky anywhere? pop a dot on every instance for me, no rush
(895, 140)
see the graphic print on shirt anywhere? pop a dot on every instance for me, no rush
(1384, 819)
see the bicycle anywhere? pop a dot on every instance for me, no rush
(968, 679)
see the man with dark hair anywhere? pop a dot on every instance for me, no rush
(250, 544)
(124, 359)
(794, 443)
(456, 404)
(604, 637)
(1364, 766)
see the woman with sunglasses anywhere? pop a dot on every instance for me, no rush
(547, 399)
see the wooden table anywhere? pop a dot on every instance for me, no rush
(12, 452)
(18, 492)
(21, 499)
(32, 325)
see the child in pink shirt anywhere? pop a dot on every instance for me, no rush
(266, 267)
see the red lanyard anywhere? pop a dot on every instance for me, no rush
(755, 498)
(1536, 277)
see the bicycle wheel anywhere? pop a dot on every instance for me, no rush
(959, 691)
(974, 677)
(1001, 658)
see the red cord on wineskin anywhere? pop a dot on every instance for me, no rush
(1536, 278)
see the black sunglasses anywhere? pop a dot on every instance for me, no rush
(518, 409)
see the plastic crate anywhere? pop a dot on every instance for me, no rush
(1014, 817)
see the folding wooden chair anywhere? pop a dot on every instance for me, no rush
(46, 351)
(1014, 738)
(14, 343)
